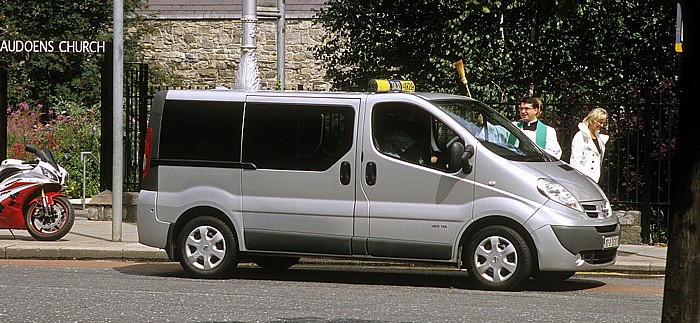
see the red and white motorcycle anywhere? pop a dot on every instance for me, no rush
(31, 198)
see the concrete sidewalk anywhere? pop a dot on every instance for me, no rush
(93, 240)
(86, 240)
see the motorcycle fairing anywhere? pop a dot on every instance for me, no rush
(13, 198)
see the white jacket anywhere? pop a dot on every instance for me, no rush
(584, 154)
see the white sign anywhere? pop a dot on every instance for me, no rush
(50, 46)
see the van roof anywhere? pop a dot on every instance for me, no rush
(226, 94)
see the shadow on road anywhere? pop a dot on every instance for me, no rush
(396, 276)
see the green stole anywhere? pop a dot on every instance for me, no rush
(540, 134)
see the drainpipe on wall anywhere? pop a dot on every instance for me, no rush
(281, 39)
(248, 74)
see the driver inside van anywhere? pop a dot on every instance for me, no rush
(406, 140)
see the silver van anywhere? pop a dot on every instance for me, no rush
(270, 177)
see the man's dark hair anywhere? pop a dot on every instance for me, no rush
(536, 103)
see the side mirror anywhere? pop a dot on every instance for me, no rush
(30, 149)
(468, 154)
(456, 153)
(459, 157)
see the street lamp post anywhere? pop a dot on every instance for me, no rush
(248, 74)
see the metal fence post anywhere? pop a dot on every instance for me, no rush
(647, 173)
(4, 102)
(83, 155)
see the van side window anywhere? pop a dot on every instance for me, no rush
(201, 130)
(411, 134)
(296, 137)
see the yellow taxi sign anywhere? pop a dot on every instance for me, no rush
(382, 86)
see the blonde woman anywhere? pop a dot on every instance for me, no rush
(588, 145)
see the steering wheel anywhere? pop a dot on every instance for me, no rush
(451, 141)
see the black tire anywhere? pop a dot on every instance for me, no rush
(50, 224)
(275, 262)
(552, 276)
(207, 248)
(498, 258)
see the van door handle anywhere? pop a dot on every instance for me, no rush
(345, 173)
(371, 173)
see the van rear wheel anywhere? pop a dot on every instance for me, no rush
(207, 248)
(275, 262)
(498, 258)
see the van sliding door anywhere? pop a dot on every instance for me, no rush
(299, 191)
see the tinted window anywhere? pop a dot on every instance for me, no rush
(409, 133)
(493, 130)
(296, 137)
(201, 130)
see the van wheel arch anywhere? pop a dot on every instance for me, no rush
(498, 220)
(186, 217)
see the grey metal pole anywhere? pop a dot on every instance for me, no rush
(248, 74)
(117, 105)
(3, 109)
(679, 28)
(82, 159)
(281, 40)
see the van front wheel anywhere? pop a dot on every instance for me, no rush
(207, 247)
(498, 258)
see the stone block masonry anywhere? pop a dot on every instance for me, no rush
(630, 227)
(206, 53)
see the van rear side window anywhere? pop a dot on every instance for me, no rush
(201, 130)
(296, 137)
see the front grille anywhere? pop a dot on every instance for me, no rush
(597, 257)
(597, 210)
(591, 210)
(606, 228)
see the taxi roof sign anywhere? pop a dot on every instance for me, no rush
(383, 86)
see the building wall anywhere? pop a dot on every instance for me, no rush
(206, 53)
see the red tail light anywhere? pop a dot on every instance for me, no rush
(147, 153)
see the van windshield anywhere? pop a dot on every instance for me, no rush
(494, 131)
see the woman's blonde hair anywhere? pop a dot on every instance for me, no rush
(595, 115)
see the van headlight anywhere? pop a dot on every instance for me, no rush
(558, 193)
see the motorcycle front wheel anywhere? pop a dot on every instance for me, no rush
(51, 223)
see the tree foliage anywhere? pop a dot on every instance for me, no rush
(575, 49)
(40, 77)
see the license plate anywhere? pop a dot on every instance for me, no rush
(611, 242)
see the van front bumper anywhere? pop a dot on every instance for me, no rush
(575, 248)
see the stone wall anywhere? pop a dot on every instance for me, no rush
(100, 206)
(206, 53)
(630, 227)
